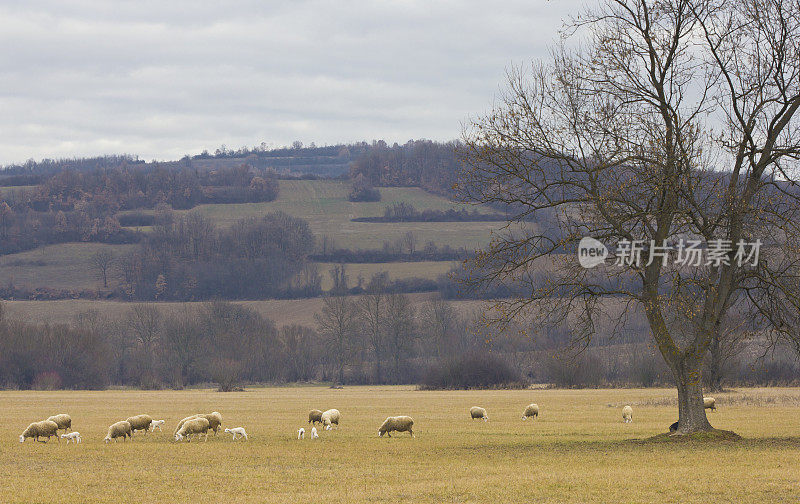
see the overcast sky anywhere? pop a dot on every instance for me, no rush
(166, 78)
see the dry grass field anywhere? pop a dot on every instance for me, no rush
(324, 204)
(577, 451)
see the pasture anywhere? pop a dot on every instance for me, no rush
(578, 450)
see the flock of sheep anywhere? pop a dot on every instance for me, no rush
(199, 424)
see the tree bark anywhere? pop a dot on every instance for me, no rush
(691, 411)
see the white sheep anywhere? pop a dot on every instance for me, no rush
(196, 426)
(478, 412)
(139, 422)
(237, 431)
(627, 414)
(314, 434)
(332, 416)
(396, 424)
(63, 421)
(73, 436)
(301, 433)
(45, 428)
(156, 424)
(531, 411)
(120, 429)
(710, 403)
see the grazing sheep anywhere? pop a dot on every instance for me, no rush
(73, 436)
(314, 434)
(710, 403)
(332, 416)
(531, 410)
(63, 420)
(673, 427)
(396, 423)
(196, 426)
(314, 416)
(180, 424)
(301, 433)
(139, 422)
(45, 428)
(627, 414)
(478, 412)
(238, 431)
(214, 420)
(120, 429)
(156, 425)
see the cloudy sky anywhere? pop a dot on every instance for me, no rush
(165, 78)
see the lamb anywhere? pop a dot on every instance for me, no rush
(238, 431)
(73, 436)
(710, 403)
(120, 429)
(478, 412)
(627, 414)
(332, 416)
(301, 433)
(45, 428)
(531, 410)
(63, 420)
(139, 422)
(196, 426)
(396, 423)
(314, 416)
(314, 434)
(156, 425)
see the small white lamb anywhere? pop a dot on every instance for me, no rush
(237, 431)
(314, 434)
(73, 436)
(156, 424)
(301, 433)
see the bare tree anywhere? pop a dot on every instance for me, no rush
(103, 260)
(372, 314)
(337, 322)
(400, 332)
(410, 242)
(438, 319)
(674, 120)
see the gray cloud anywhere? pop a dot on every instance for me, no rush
(162, 79)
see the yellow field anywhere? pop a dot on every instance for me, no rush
(577, 451)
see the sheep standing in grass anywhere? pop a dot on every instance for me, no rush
(183, 421)
(45, 428)
(627, 414)
(63, 421)
(120, 429)
(531, 411)
(477, 412)
(139, 422)
(73, 436)
(396, 424)
(710, 403)
(237, 431)
(157, 424)
(314, 416)
(193, 426)
(330, 417)
(214, 420)
(301, 433)
(314, 434)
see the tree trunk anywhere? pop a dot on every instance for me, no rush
(691, 411)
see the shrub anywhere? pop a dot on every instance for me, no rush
(476, 370)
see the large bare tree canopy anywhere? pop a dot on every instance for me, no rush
(659, 123)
